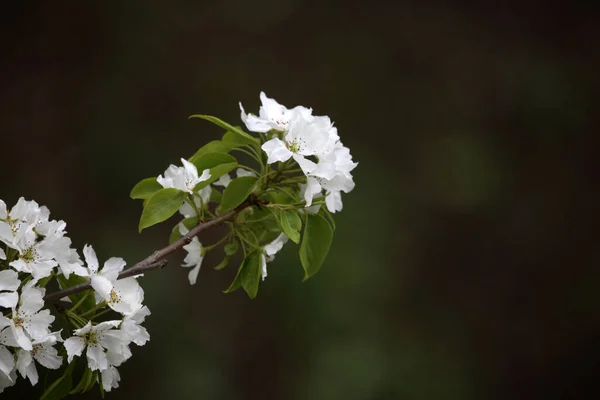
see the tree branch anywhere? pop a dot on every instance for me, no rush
(155, 260)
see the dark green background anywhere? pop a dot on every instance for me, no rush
(465, 263)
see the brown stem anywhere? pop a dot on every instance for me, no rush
(155, 260)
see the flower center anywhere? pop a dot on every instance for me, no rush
(36, 349)
(19, 320)
(90, 338)
(30, 254)
(114, 297)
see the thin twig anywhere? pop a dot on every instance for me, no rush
(155, 260)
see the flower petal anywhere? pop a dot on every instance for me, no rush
(276, 151)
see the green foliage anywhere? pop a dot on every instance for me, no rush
(274, 204)
(145, 189)
(291, 224)
(238, 190)
(161, 206)
(316, 241)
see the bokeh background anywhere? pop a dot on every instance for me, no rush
(465, 263)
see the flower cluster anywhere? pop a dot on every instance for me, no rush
(312, 141)
(34, 251)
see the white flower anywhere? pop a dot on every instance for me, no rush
(271, 116)
(132, 329)
(28, 322)
(110, 378)
(193, 258)
(7, 380)
(35, 257)
(333, 189)
(7, 360)
(183, 178)
(304, 138)
(19, 223)
(122, 295)
(43, 352)
(99, 339)
(9, 283)
(269, 252)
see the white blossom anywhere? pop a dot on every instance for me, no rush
(194, 257)
(7, 360)
(271, 115)
(269, 252)
(29, 322)
(183, 178)
(98, 339)
(132, 329)
(43, 352)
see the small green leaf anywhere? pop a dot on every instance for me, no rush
(291, 224)
(231, 248)
(237, 281)
(234, 139)
(145, 189)
(237, 191)
(315, 244)
(225, 126)
(251, 273)
(216, 146)
(223, 263)
(84, 382)
(161, 206)
(215, 196)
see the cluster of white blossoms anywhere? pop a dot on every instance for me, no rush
(33, 251)
(312, 141)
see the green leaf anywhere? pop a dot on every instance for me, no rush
(231, 248)
(291, 224)
(237, 191)
(251, 273)
(315, 244)
(234, 139)
(225, 126)
(216, 146)
(161, 206)
(84, 382)
(61, 387)
(189, 223)
(210, 160)
(223, 263)
(237, 281)
(91, 383)
(215, 196)
(145, 189)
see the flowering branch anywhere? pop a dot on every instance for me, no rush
(301, 168)
(155, 260)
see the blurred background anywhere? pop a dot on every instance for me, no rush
(464, 264)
